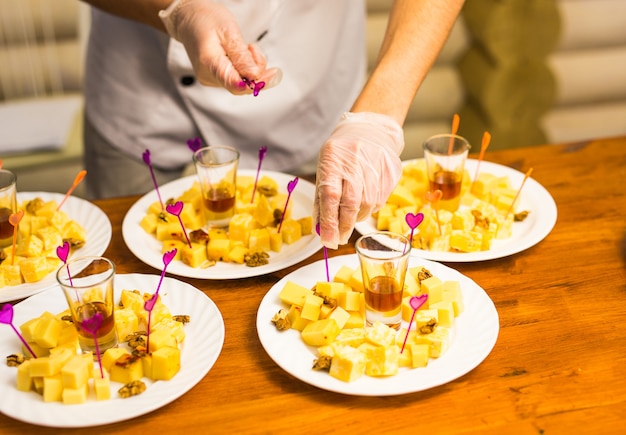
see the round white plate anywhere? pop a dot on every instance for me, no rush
(473, 336)
(148, 249)
(533, 197)
(200, 350)
(92, 219)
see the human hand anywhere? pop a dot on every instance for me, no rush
(358, 167)
(214, 43)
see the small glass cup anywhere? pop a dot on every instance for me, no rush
(445, 156)
(216, 167)
(87, 283)
(384, 259)
(8, 206)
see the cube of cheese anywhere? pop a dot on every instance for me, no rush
(111, 355)
(340, 315)
(433, 287)
(293, 294)
(52, 388)
(445, 311)
(76, 372)
(165, 363)
(101, 384)
(380, 334)
(311, 307)
(75, 396)
(260, 240)
(295, 318)
(343, 274)
(348, 364)
(382, 361)
(127, 369)
(320, 332)
(47, 331)
(291, 231)
(24, 379)
(438, 341)
(420, 354)
(161, 338)
(451, 291)
(126, 322)
(217, 249)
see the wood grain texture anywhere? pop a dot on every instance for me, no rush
(557, 367)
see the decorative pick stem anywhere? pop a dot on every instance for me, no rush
(92, 325)
(530, 171)
(317, 229)
(6, 317)
(413, 221)
(79, 177)
(149, 304)
(176, 209)
(14, 219)
(416, 302)
(433, 198)
(290, 186)
(455, 127)
(483, 148)
(146, 159)
(194, 144)
(262, 152)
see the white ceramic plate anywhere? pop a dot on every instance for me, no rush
(533, 197)
(201, 348)
(148, 249)
(90, 216)
(473, 337)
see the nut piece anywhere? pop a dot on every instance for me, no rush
(519, 217)
(15, 360)
(182, 318)
(423, 274)
(281, 320)
(322, 363)
(429, 327)
(256, 259)
(133, 388)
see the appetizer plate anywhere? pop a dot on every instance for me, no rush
(200, 350)
(148, 249)
(92, 219)
(533, 198)
(473, 337)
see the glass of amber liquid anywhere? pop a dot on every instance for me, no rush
(8, 206)
(384, 259)
(88, 286)
(216, 167)
(445, 156)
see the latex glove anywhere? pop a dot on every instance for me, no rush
(358, 167)
(214, 43)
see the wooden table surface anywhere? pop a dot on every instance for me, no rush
(558, 367)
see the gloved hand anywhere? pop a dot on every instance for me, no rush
(215, 46)
(358, 167)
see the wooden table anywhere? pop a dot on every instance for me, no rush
(558, 367)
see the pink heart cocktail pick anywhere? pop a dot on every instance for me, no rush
(6, 317)
(14, 219)
(413, 221)
(262, 152)
(147, 161)
(433, 198)
(255, 86)
(317, 229)
(91, 325)
(194, 144)
(483, 148)
(290, 186)
(416, 302)
(79, 177)
(63, 252)
(176, 210)
(150, 303)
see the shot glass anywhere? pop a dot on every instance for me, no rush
(87, 283)
(384, 258)
(8, 206)
(216, 167)
(445, 156)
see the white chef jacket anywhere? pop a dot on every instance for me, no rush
(140, 92)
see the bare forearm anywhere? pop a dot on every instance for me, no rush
(143, 11)
(416, 32)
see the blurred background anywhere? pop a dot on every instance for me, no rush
(528, 71)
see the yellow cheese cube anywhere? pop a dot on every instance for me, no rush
(295, 318)
(194, 256)
(329, 289)
(343, 274)
(31, 246)
(173, 327)
(127, 369)
(239, 227)
(169, 230)
(320, 332)
(451, 291)
(75, 396)
(260, 240)
(171, 244)
(263, 213)
(111, 355)
(293, 294)
(356, 320)
(401, 196)
(161, 338)
(149, 223)
(356, 280)
(47, 330)
(382, 361)
(438, 341)
(101, 384)
(291, 231)
(348, 364)
(466, 241)
(445, 311)
(24, 379)
(306, 225)
(311, 307)
(420, 354)
(276, 239)
(28, 328)
(76, 372)
(380, 334)
(126, 322)
(165, 363)
(433, 287)
(350, 300)
(34, 269)
(351, 337)
(51, 238)
(217, 249)
(340, 315)
(52, 388)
